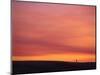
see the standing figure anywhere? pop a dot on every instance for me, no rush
(76, 60)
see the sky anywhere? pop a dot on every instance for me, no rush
(53, 32)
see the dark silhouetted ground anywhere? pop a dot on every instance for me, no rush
(25, 67)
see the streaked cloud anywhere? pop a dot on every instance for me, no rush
(40, 29)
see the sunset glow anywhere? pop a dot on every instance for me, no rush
(57, 57)
(53, 32)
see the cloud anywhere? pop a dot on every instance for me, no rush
(52, 28)
(26, 46)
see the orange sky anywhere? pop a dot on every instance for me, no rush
(43, 31)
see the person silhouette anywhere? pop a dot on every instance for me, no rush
(76, 60)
